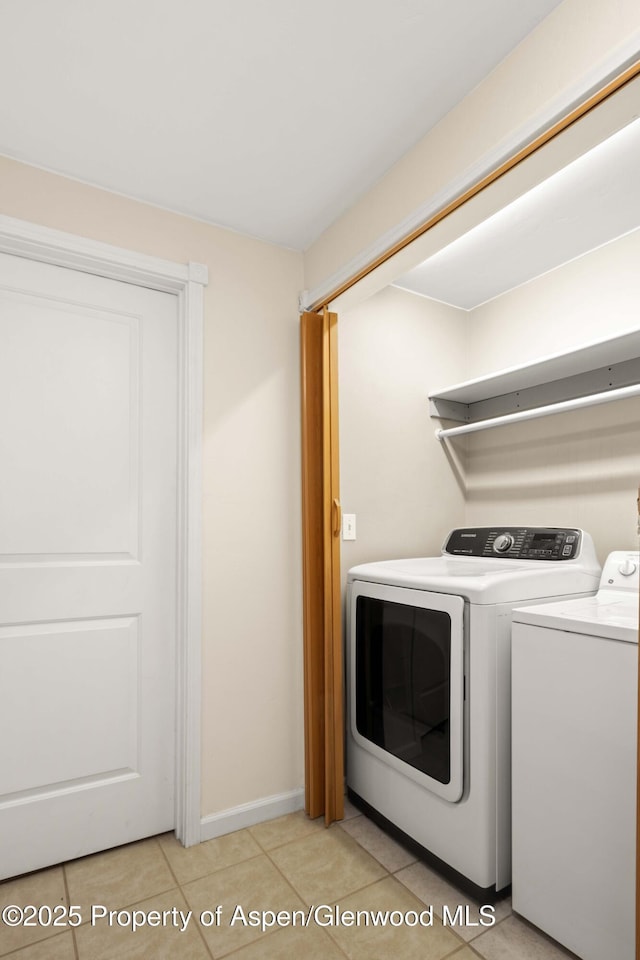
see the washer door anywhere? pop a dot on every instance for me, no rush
(406, 650)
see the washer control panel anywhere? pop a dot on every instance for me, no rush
(621, 571)
(515, 543)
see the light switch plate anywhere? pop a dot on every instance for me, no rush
(348, 526)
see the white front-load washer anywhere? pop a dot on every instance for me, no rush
(428, 688)
(575, 681)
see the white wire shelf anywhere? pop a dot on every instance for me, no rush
(596, 373)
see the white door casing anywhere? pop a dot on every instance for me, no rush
(82, 542)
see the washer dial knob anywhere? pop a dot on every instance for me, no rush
(503, 542)
(627, 567)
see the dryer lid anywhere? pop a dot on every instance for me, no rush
(481, 576)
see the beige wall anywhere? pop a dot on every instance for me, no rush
(578, 42)
(394, 474)
(252, 680)
(591, 298)
(580, 468)
(576, 469)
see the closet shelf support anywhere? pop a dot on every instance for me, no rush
(577, 403)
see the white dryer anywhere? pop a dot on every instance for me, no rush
(575, 681)
(428, 688)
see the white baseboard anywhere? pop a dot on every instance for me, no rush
(248, 814)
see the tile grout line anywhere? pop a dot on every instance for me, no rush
(28, 946)
(280, 846)
(493, 927)
(266, 851)
(184, 897)
(366, 887)
(45, 936)
(263, 853)
(288, 882)
(131, 905)
(537, 931)
(211, 873)
(480, 933)
(450, 956)
(458, 952)
(255, 840)
(463, 943)
(166, 860)
(388, 875)
(68, 896)
(365, 819)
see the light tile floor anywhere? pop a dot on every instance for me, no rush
(288, 865)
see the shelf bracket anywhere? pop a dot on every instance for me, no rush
(577, 403)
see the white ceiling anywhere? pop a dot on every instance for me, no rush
(588, 203)
(270, 118)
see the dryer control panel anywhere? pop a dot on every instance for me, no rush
(515, 543)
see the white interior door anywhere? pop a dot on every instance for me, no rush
(88, 441)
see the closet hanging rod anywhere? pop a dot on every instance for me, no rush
(575, 404)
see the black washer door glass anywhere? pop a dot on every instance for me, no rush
(403, 673)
